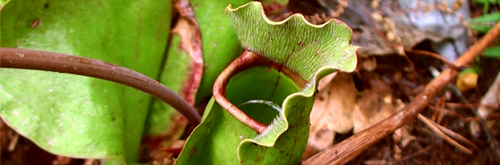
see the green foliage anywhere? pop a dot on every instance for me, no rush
(174, 75)
(294, 42)
(473, 69)
(485, 22)
(492, 52)
(73, 115)
(220, 42)
(84, 117)
(313, 51)
(216, 140)
(486, 4)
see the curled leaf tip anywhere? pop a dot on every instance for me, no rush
(264, 16)
(294, 42)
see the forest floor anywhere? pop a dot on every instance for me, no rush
(381, 85)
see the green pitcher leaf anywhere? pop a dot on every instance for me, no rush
(78, 116)
(220, 42)
(215, 141)
(312, 51)
(294, 42)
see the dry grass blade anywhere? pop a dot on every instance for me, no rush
(434, 128)
(491, 140)
(454, 134)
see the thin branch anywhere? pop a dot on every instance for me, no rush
(437, 56)
(433, 127)
(492, 141)
(422, 151)
(56, 62)
(454, 135)
(357, 143)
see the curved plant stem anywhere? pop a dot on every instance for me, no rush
(49, 61)
(437, 56)
(247, 60)
(354, 145)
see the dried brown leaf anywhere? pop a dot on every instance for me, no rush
(375, 104)
(332, 112)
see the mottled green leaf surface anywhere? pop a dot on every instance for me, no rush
(74, 115)
(294, 42)
(164, 123)
(220, 42)
(215, 141)
(312, 51)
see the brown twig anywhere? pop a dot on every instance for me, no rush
(436, 130)
(357, 143)
(493, 143)
(446, 111)
(437, 56)
(454, 135)
(459, 105)
(422, 151)
(56, 62)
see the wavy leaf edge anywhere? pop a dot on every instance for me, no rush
(280, 123)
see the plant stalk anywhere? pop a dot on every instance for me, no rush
(62, 63)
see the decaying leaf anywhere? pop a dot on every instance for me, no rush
(374, 105)
(491, 99)
(331, 113)
(489, 103)
(182, 73)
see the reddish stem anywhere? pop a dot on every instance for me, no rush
(247, 60)
(49, 61)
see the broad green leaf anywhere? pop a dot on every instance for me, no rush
(220, 42)
(485, 22)
(2, 3)
(164, 123)
(493, 52)
(312, 51)
(484, 1)
(73, 115)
